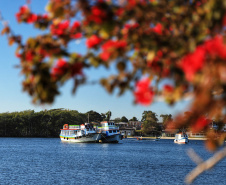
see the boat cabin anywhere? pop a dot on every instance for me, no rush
(77, 130)
(181, 135)
(109, 128)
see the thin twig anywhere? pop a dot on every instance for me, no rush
(206, 165)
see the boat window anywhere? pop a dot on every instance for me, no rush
(110, 131)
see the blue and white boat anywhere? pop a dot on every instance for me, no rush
(109, 132)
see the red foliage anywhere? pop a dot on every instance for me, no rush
(75, 25)
(74, 31)
(29, 56)
(110, 46)
(32, 18)
(144, 93)
(105, 56)
(97, 15)
(168, 88)
(25, 15)
(193, 62)
(216, 47)
(60, 28)
(76, 36)
(18, 55)
(23, 10)
(200, 124)
(93, 41)
(132, 3)
(158, 29)
(63, 28)
(60, 68)
(119, 11)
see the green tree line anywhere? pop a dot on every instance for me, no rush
(47, 123)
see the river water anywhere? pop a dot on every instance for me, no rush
(49, 161)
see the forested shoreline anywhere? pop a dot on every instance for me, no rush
(45, 123)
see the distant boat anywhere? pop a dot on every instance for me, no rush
(181, 138)
(157, 138)
(109, 132)
(79, 134)
(153, 139)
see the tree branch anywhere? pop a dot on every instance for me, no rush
(206, 165)
(194, 156)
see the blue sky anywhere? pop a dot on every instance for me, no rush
(87, 97)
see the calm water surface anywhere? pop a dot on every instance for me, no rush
(49, 161)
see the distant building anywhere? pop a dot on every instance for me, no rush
(197, 135)
(169, 132)
(127, 131)
(136, 124)
(121, 124)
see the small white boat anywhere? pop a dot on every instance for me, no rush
(181, 138)
(79, 134)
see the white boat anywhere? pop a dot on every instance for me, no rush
(109, 132)
(79, 134)
(181, 138)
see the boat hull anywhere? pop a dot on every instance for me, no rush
(111, 139)
(91, 138)
(181, 141)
